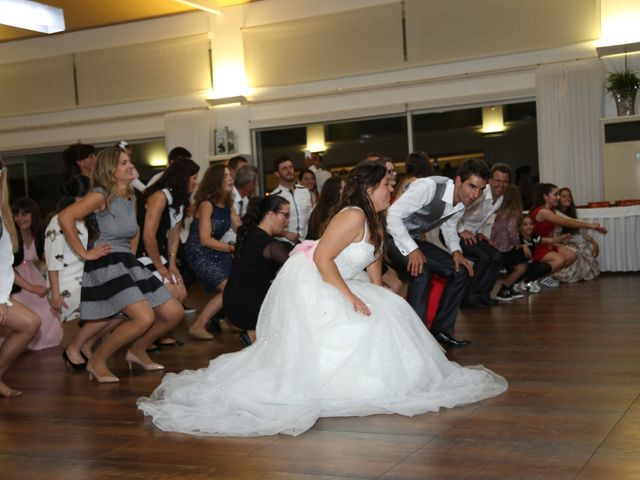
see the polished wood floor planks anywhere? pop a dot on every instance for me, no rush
(572, 410)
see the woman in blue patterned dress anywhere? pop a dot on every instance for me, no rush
(207, 255)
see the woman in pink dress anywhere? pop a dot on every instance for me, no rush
(29, 277)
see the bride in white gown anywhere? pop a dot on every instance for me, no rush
(331, 341)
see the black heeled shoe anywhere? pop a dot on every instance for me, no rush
(213, 325)
(73, 366)
(245, 339)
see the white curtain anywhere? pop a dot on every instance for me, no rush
(192, 131)
(570, 105)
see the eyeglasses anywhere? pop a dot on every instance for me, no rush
(284, 214)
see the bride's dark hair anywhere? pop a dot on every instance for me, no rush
(365, 175)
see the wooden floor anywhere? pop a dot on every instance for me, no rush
(572, 409)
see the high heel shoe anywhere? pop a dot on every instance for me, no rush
(245, 339)
(132, 358)
(84, 355)
(200, 334)
(105, 379)
(70, 364)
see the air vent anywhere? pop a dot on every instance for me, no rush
(622, 132)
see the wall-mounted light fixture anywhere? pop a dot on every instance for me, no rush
(32, 15)
(209, 6)
(492, 120)
(621, 49)
(227, 101)
(315, 139)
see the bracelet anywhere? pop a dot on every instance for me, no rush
(172, 254)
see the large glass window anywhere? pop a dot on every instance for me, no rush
(345, 144)
(38, 175)
(450, 137)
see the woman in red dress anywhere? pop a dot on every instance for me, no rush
(545, 221)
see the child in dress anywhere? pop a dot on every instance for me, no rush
(505, 237)
(530, 242)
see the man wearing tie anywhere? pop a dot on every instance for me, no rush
(244, 185)
(429, 203)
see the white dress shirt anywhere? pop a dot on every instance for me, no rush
(476, 215)
(299, 208)
(240, 203)
(419, 194)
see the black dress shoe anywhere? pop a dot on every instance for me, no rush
(446, 339)
(490, 301)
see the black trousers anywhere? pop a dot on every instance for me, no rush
(440, 262)
(487, 262)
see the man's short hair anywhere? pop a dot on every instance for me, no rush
(178, 152)
(245, 175)
(502, 168)
(279, 161)
(234, 161)
(473, 166)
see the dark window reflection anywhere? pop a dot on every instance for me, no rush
(450, 137)
(347, 143)
(39, 175)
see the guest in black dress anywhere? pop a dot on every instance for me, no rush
(258, 257)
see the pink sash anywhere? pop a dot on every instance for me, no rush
(308, 247)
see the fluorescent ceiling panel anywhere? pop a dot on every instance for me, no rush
(31, 15)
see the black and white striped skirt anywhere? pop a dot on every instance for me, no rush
(116, 281)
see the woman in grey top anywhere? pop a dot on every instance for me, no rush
(114, 281)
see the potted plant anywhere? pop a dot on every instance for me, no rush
(623, 86)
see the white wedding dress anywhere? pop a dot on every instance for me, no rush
(316, 357)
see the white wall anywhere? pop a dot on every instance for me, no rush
(481, 81)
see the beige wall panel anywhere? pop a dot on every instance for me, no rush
(144, 71)
(42, 85)
(328, 46)
(452, 30)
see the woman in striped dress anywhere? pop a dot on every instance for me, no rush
(114, 281)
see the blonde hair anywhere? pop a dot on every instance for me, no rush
(210, 187)
(5, 209)
(104, 171)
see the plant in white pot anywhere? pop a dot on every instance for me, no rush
(623, 86)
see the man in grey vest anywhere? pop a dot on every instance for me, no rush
(429, 203)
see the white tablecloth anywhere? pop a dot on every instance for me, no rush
(620, 248)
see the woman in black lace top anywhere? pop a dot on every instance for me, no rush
(258, 257)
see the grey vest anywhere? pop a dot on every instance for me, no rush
(429, 216)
